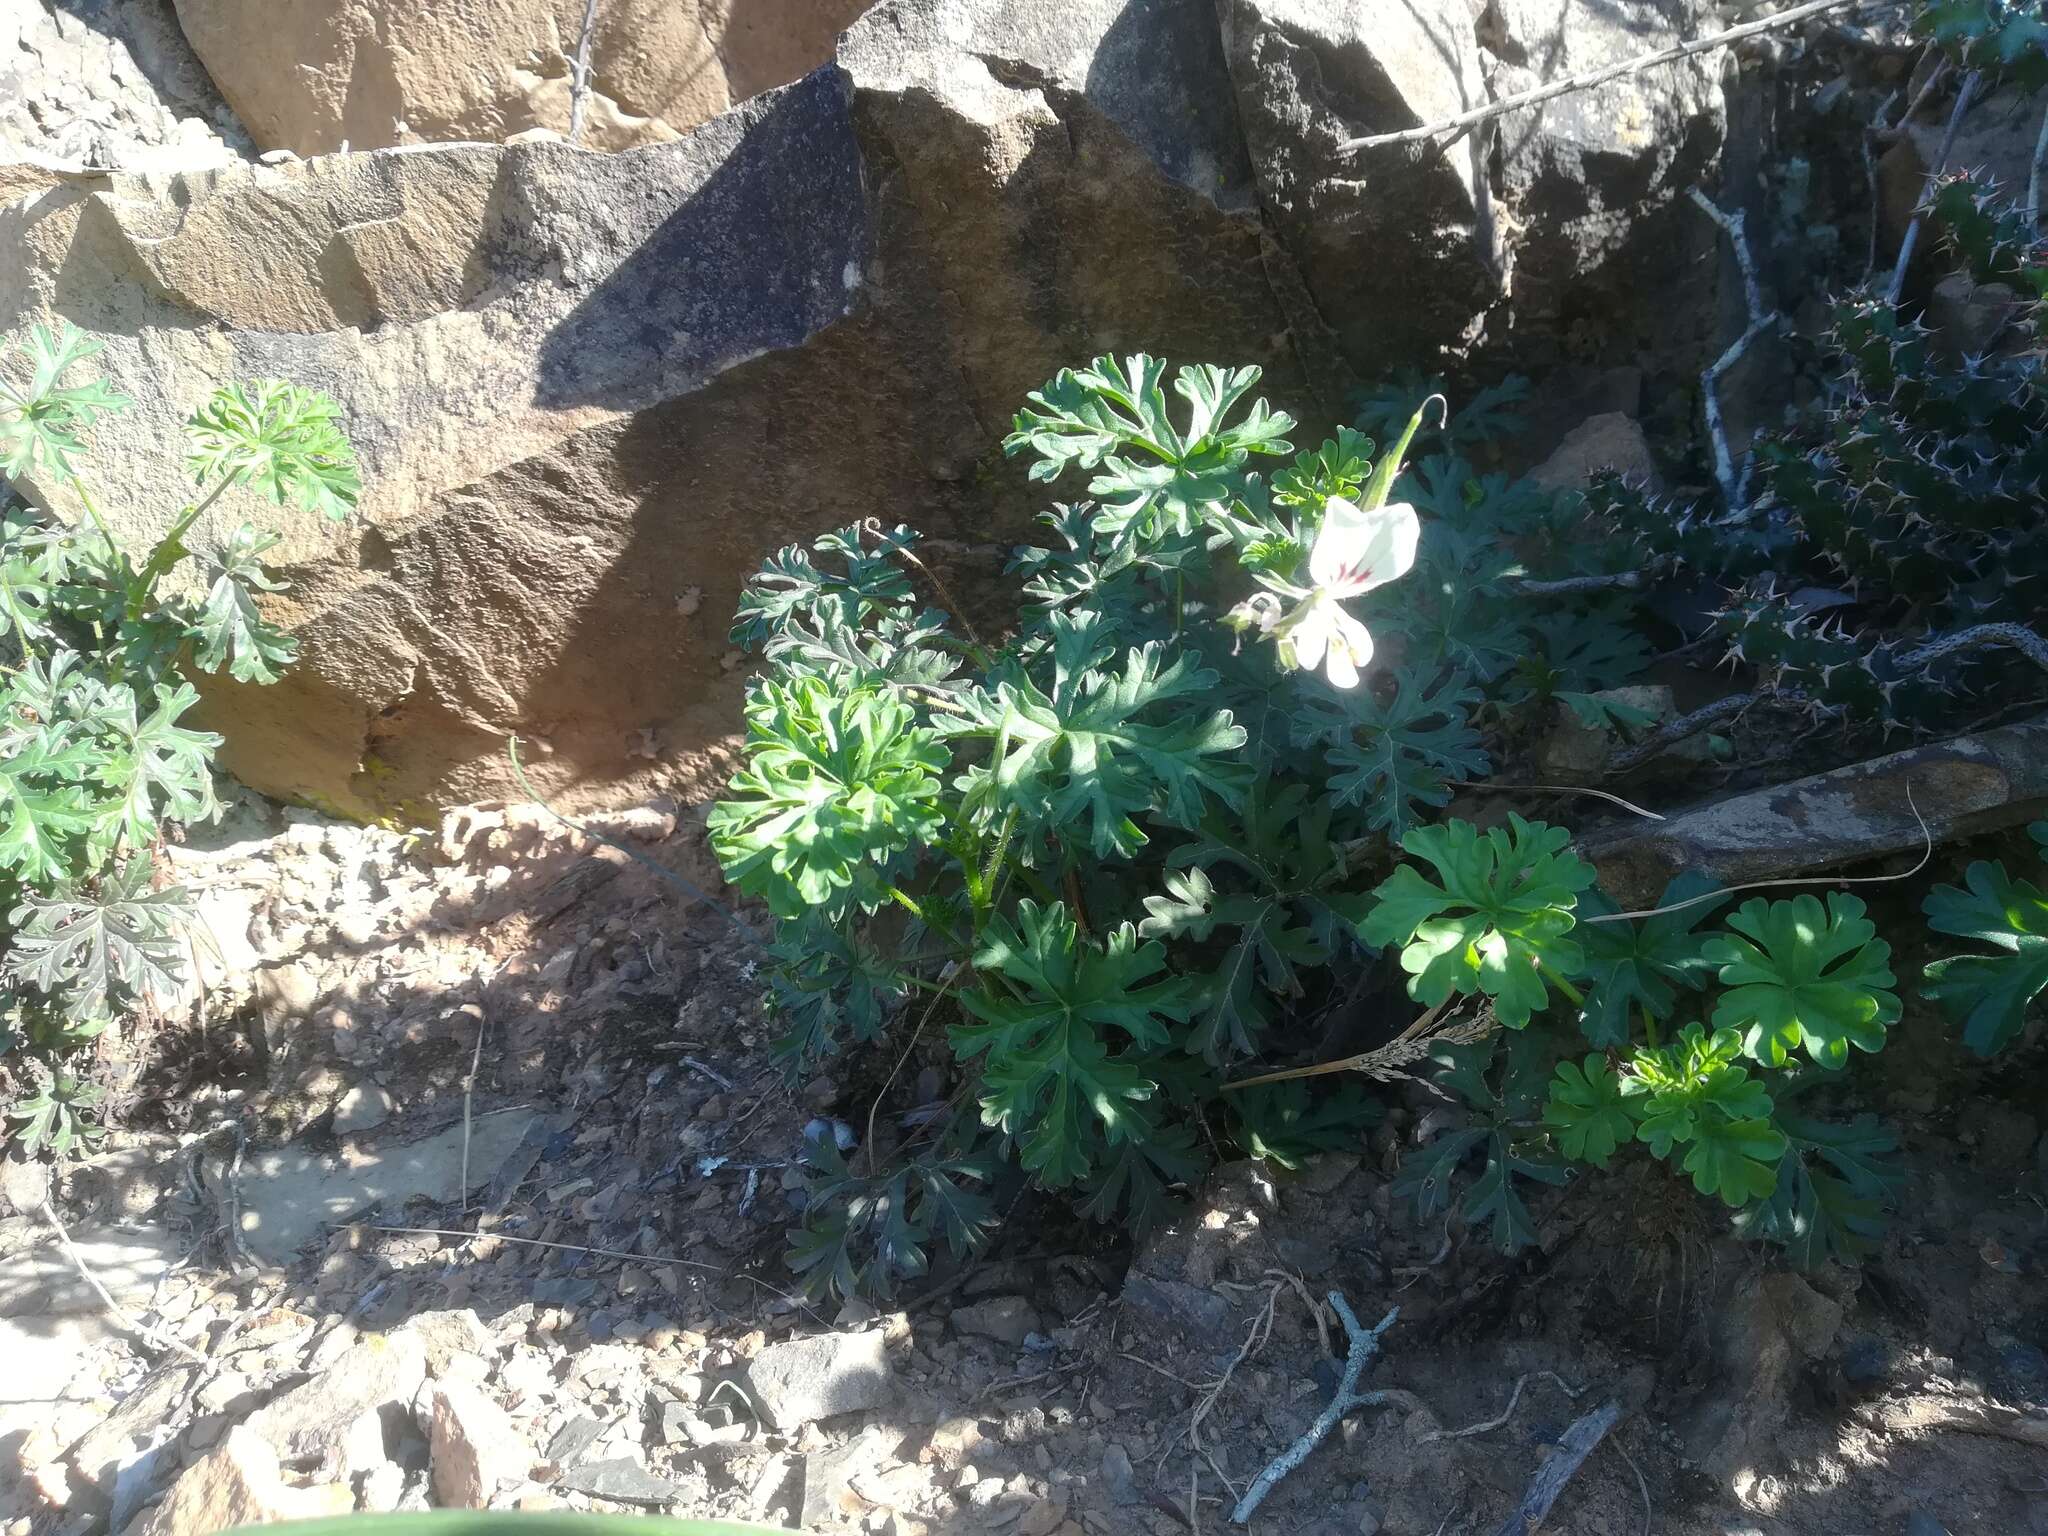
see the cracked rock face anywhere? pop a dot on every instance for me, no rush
(591, 392)
(374, 73)
(1514, 237)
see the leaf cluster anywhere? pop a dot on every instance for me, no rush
(96, 763)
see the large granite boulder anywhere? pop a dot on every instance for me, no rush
(590, 392)
(319, 74)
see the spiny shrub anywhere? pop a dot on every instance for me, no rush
(1145, 836)
(1896, 549)
(94, 663)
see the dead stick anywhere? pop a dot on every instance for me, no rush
(114, 1309)
(1542, 93)
(1365, 1347)
(1948, 143)
(579, 70)
(1573, 1447)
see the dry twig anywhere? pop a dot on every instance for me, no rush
(115, 1310)
(1734, 481)
(579, 70)
(1948, 143)
(1457, 127)
(1508, 1412)
(1365, 1347)
(1558, 1469)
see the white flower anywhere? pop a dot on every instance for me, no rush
(1355, 551)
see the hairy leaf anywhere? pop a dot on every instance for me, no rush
(1287, 1123)
(833, 790)
(1640, 965)
(1084, 759)
(283, 440)
(1834, 1185)
(42, 420)
(1398, 755)
(1155, 479)
(1050, 1005)
(230, 629)
(1494, 1197)
(1292, 916)
(98, 953)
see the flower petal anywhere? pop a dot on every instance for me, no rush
(1338, 542)
(1356, 551)
(1304, 635)
(1350, 648)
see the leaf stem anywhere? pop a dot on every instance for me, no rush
(1557, 981)
(170, 550)
(92, 511)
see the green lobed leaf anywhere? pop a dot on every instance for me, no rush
(1288, 1123)
(1798, 975)
(833, 789)
(1499, 914)
(1049, 1007)
(230, 629)
(1639, 966)
(43, 420)
(281, 439)
(97, 953)
(1283, 904)
(1494, 1197)
(1394, 756)
(1085, 759)
(1834, 1185)
(1988, 995)
(1588, 1111)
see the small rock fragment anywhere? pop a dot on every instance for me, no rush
(473, 1446)
(1006, 1319)
(1119, 1480)
(802, 1380)
(239, 1484)
(447, 1337)
(320, 1424)
(621, 1480)
(363, 1108)
(573, 1439)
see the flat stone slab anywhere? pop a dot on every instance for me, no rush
(129, 1262)
(290, 1196)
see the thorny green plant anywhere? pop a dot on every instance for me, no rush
(1887, 572)
(1154, 833)
(95, 657)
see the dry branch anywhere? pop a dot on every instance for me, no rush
(1948, 144)
(1734, 481)
(1365, 1347)
(1464, 122)
(579, 70)
(1573, 1447)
